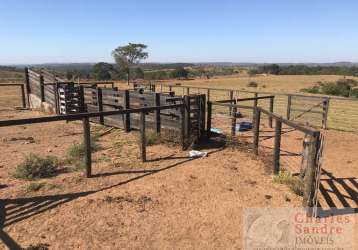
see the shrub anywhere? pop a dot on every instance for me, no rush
(76, 152)
(342, 87)
(34, 187)
(34, 167)
(294, 183)
(312, 90)
(152, 138)
(252, 84)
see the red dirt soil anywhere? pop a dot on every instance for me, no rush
(171, 201)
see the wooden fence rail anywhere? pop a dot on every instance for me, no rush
(21, 87)
(314, 134)
(86, 127)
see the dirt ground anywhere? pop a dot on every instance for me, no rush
(171, 201)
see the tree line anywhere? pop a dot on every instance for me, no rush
(275, 69)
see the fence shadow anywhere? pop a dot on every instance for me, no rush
(340, 195)
(16, 210)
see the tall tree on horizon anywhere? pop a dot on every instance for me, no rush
(129, 55)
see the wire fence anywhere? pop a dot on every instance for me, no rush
(342, 112)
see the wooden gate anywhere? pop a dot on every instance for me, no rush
(195, 106)
(308, 109)
(70, 99)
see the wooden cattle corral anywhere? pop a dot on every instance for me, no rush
(311, 170)
(68, 97)
(143, 109)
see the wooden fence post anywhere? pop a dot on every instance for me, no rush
(161, 88)
(277, 147)
(257, 130)
(42, 88)
(309, 179)
(255, 106)
(27, 81)
(170, 88)
(57, 106)
(325, 113)
(271, 110)
(142, 137)
(87, 146)
(201, 115)
(187, 115)
(82, 98)
(231, 97)
(289, 100)
(182, 127)
(127, 118)
(187, 91)
(100, 104)
(208, 94)
(233, 121)
(157, 112)
(208, 120)
(23, 100)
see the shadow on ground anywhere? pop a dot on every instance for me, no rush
(13, 211)
(340, 195)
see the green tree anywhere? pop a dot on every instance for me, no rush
(102, 71)
(129, 55)
(179, 72)
(138, 73)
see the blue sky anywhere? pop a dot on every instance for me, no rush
(38, 31)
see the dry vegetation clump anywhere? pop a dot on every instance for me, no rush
(293, 182)
(76, 152)
(33, 187)
(35, 167)
(252, 84)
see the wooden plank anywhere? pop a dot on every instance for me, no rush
(307, 111)
(70, 117)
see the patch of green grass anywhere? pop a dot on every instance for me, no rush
(152, 138)
(35, 167)
(76, 153)
(34, 187)
(294, 183)
(53, 186)
(104, 158)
